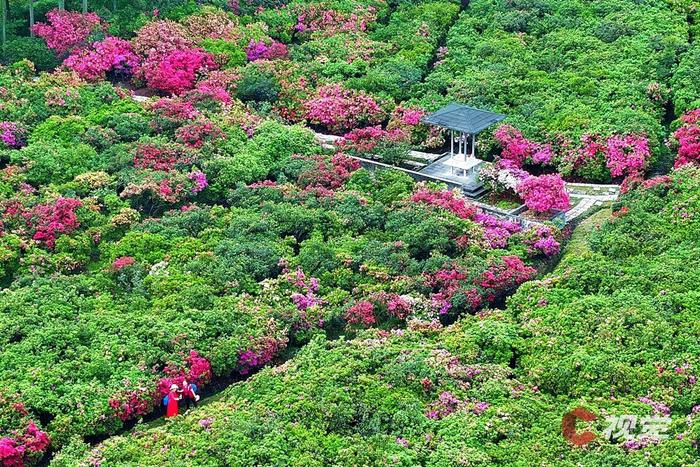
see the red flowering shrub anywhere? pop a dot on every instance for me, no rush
(122, 262)
(340, 110)
(315, 18)
(50, 220)
(541, 240)
(110, 55)
(544, 193)
(365, 140)
(445, 199)
(503, 275)
(361, 313)
(196, 134)
(259, 354)
(178, 70)
(330, 174)
(688, 139)
(67, 29)
(133, 403)
(163, 157)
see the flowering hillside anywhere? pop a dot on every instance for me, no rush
(601, 331)
(168, 215)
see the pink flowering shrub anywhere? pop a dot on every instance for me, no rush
(157, 39)
(122, 262)
(379, 306)
(627, 155)
(112, 55)
(179, 70)
(446, 404)
(171, 113)
(688, 139)
(544, 193)
(67, 29)
(503, 275)
(340, 110)
(49, 221)
(200, 181)
(259, 50)
(365, 140)
(315, 18)
(20, 449)
(12, 135)
(445, 199)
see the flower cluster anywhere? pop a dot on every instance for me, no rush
(259, 50)
(262, 351)
(365, 140)
(307, 296)
(200, 181)
(179, 69)
(50, 220)
(122, 262)
(340, 110)
(497, 231)
(314, 18)
(541, 240)
(159, 157)
(110, 55)
(544, 193)
(361, 313)
(66, 29)
(516, 149)
(446, 404)
(327, 174)
(504, 275)
(12, 135)
(627, 155)
(132, 403)
(196, 134)
(22, 448)
(688, 139)
(445, 199)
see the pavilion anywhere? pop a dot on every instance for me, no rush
(464, 123)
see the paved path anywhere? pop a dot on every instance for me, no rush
(589, 196)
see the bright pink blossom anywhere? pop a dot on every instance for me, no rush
(627, 155)
(110, 55)
(544, 193)
(179, 70)
(340, 110)
(67, 29)
(688, 138)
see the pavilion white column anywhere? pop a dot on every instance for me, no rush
(452, 144)
(473, 144)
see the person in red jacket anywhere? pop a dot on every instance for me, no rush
(174, 397)
(189, 392)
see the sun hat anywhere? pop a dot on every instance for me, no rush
(173, 387)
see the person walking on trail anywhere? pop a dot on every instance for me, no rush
(173, 397)
(189, 392)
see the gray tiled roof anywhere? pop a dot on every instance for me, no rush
(463, 118)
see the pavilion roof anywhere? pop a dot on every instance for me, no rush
(463, 118)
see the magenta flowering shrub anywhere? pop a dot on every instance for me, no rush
(627, 155)
(340, 110)
(688, 139)
(179, 70)
(544, 193)
(260, 50)
(516, 149)
(446, 404)
(112, 55)
(261, 352)
(67, 29)
(504, 274)
(541, 239)
(200, 181)
(361, 313)
(378, 307)
(496, 231)
(49, 221)
(122, 262)
(12, 135)
(24, 447)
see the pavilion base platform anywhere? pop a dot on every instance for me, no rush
(459, 169)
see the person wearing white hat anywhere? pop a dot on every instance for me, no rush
(174, 397)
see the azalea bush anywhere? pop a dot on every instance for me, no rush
(66, 29)
(338, 109)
